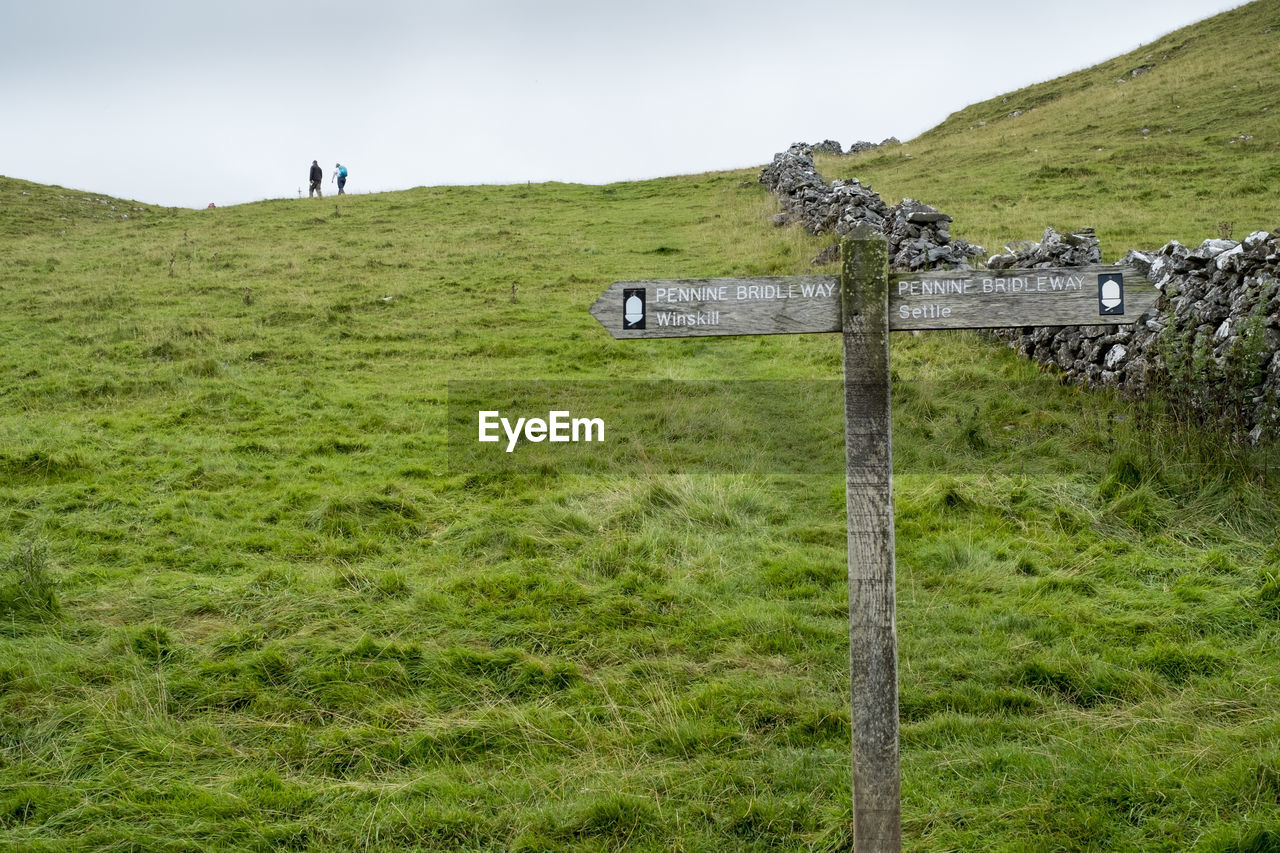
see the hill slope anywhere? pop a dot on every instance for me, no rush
(29, 208)
(1179, 139)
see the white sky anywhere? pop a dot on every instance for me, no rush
(186, 102)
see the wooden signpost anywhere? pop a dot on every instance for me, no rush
(864, 304)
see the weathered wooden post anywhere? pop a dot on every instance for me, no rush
(864, 304)
(873, 640)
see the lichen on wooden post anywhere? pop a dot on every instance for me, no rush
(873, 647)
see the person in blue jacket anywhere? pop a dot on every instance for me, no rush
(339, 174)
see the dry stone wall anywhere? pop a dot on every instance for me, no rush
(919, 235)
(1209, 344)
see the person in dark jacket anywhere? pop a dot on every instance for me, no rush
(317, 178)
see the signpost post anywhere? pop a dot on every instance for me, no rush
(868, 453)
(864, 304)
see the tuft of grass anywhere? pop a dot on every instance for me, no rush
(28, 590)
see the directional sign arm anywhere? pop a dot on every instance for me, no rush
(995, 299)
(771, 305)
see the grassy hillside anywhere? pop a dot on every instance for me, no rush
(1179, 139)
(248, 602)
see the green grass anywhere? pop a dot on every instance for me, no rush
(245, 603)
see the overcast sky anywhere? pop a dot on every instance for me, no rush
(187, 102)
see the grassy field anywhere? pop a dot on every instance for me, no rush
(247, 603)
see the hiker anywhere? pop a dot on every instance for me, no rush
(339, 174)
(317, 178)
